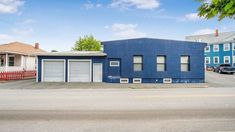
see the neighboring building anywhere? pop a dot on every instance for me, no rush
(220, 47)
(18, 56)
(140, 60)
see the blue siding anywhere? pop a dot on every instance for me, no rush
(149, 49)
(220, 54)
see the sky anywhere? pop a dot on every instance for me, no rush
(57, 24)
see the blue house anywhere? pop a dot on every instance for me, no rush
(142, 60)
(220, 47)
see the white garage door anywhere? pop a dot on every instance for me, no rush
(53, 71)
(79, 71)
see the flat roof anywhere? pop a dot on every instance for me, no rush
(74, 53)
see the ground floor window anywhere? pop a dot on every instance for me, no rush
(138, 63)
(216, 60)
(185, 63)
(161, 63)
(226, 59)
(11, 60)
(1, 60)
(207, 60)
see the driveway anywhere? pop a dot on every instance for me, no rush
(220, 80)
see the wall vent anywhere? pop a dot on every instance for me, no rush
(137, 80)
(167, 80)
(124, 80)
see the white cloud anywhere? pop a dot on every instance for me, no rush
(10, 6)
(90, 5)
(5, 38)
(23, 32)
(204, 31)
(139, 4)
(193, 17)
(126, 30)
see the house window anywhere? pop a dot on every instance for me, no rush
(207, 48)
(216, 60)
(161, 63)
(114, 63)
(226, 47)
(185, 63)
(233, 59)
(138, 63)
(226, 59)
(1, 61)
(216, 48)
(11, 60)
(207, 60)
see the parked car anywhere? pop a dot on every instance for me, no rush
(210, 68)
(224, 68)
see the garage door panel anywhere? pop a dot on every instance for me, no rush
(53, 71)
(79, 71)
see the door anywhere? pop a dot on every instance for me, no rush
(79, 71)
(97, 72)
(53, 71)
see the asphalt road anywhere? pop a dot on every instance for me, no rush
(115, 110)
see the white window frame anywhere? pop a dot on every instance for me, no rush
(228, 60)
(226, 44)
(185, 63)
(79, 60)
(134, 63)
(137, 80)
(161, 63)
(209, 59)
(214, 46)
(42, 67)
(233, 59)
(124, 80)
(112, 65)
(208, 49)
(214, 59)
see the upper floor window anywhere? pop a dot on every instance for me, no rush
(138, 63)
(216, 48)
(161, 63)
(185, 63)
(216, 60)
(226, 59)
(226, 47)
(114, 63)
(207, 48)
(207, 60)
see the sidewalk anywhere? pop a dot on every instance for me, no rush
(31, 84)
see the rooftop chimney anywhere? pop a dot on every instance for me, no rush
(36, 46)
(216, 33)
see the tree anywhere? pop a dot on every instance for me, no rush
(87, 43)
(220, 8)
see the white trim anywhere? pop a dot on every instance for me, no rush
(137, 80)
(79, 60)
(118, 63)
(101, 71)
(42, 67)
(214, 59)
(228, 60)
(214, 48)
(208, 59)
(208, 49)
(124, 80)
(233, 59)
(228, 46)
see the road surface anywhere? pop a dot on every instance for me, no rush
(115, 110)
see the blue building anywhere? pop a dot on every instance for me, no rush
(141, 60)
(220, 47)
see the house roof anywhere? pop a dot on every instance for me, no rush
(20, 48)
(212, 39)
(74, 53)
